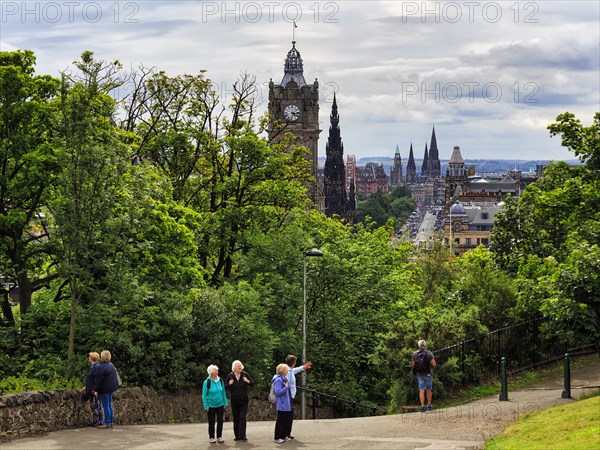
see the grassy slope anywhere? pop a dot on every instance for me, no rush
(573, 426)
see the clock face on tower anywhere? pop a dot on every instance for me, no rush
(291, 113)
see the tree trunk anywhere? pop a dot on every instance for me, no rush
(9, 320)
(25, 293)
(74, 302)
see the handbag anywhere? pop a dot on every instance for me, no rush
(119, 382)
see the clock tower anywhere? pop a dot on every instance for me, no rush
(294, 108)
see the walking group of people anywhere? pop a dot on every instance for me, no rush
(214, 398)
(101, 381)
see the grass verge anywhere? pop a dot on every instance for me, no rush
(573, 426)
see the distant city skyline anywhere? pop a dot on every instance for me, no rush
(490, 76)
(482, 166)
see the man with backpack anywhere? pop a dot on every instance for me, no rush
(422, 362)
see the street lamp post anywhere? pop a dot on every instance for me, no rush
(313, 252)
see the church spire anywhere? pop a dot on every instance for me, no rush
(411, 168)
(434, 157)
(425, 166)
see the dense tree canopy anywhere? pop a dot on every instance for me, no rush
(166, 228)
(549, 238)
(396, 205)
(29, 166)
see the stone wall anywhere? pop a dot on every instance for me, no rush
(28, 413)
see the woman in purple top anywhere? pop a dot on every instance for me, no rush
(283, 404)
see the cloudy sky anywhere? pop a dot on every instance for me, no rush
(489, 75)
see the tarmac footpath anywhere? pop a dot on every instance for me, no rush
(462, 427)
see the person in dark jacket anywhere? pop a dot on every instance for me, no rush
(88, 390)
(106, 383)
(237, 383)
(283, 404)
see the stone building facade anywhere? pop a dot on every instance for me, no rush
(370, 179)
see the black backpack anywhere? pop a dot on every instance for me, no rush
(422, 363)
(209, 382)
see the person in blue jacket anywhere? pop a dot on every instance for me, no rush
(215, 401)
(105, 384)
(88, 390)
(283, 404)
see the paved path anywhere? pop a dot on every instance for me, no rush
(461, 427)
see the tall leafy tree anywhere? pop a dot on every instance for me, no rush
(113, 220)
(28, 167)
(95, 159)
(216, 161)
(549, 236)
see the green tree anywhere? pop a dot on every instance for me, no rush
(583, 141)
(28, 168)
(397, 205)
(546, 236)
(94, 159)
(218, 165)
(480, 283)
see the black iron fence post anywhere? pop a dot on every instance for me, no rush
(314, 405)
(504, 385)
(567, 381)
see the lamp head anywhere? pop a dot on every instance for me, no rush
(313, 252)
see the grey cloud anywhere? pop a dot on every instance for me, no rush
(567, 56)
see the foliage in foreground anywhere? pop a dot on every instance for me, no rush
(572, 426)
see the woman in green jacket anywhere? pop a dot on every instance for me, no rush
(215, 401)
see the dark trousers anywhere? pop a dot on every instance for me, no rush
(289, 431)
(218, 414)
(239, 411)
(97, 413)
(284, 424)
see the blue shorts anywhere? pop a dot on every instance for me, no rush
(424, 382)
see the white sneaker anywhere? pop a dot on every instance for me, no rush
(220, 440)
(279, 441)
(288, 438)
(212, 440)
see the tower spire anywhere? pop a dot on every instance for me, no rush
(334, 118)
(336, 197)
(396, 172)
(411, 168)
(293, 67)
(434, 157)
(425, 166)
